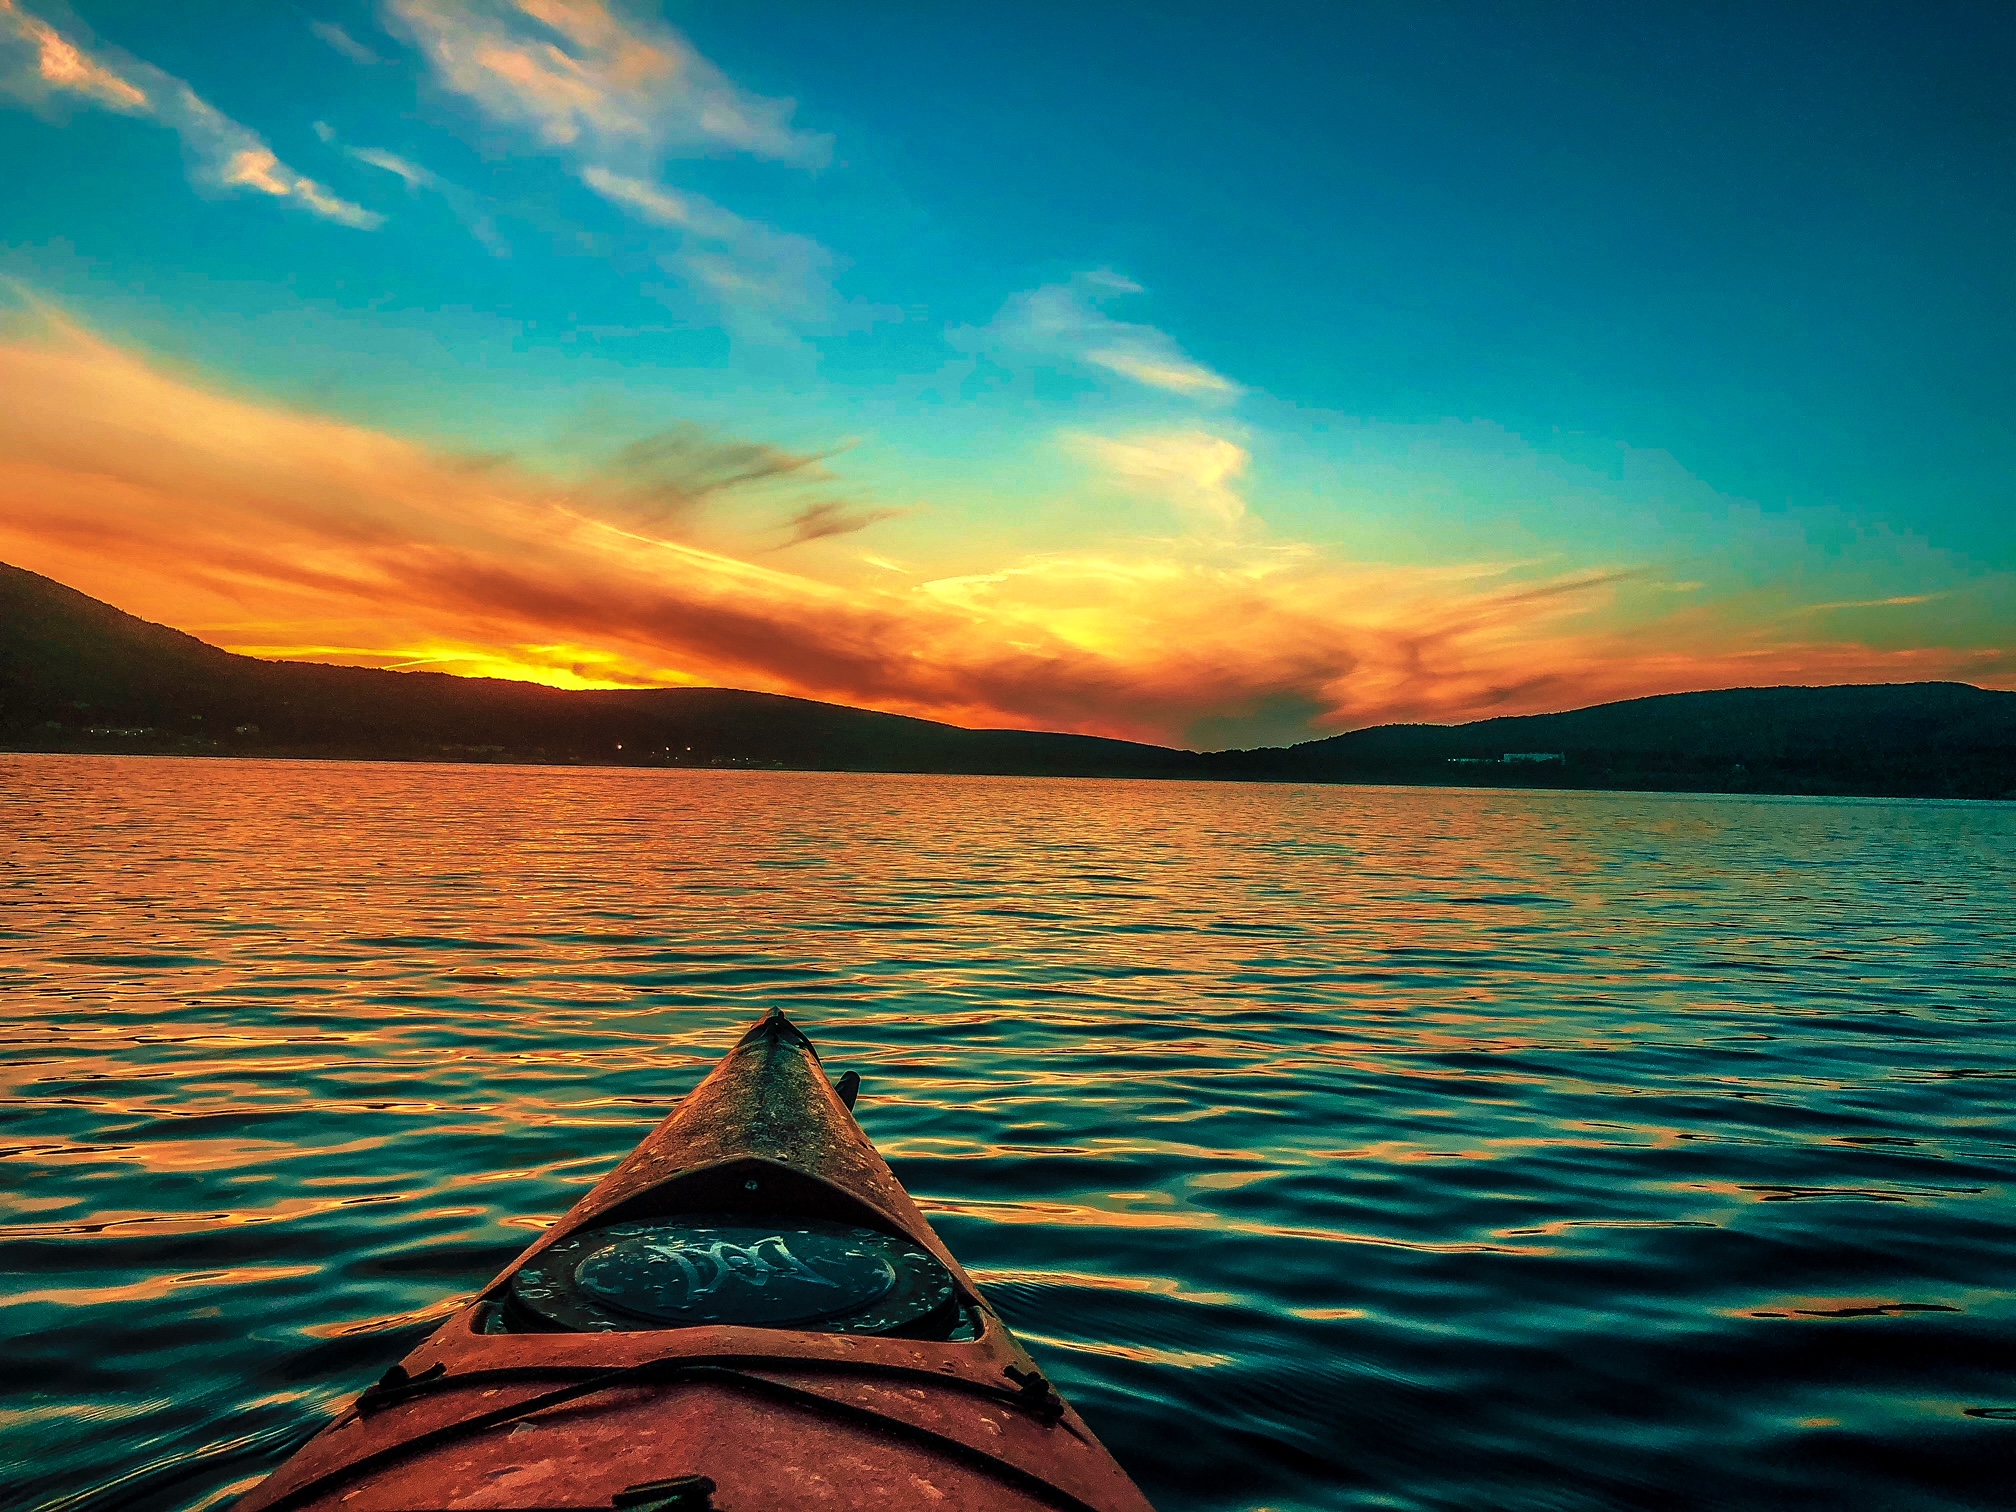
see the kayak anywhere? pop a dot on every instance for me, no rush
(748, 1313)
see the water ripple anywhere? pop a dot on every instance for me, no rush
(1333, 1147)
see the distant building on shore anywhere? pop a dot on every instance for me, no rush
(1510, 758)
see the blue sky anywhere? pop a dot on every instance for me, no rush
(1595, 350)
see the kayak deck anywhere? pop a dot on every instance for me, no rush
(748, 1313)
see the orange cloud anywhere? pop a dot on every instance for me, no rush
(579, 75)
(40, 65)
(615, 95)
(286, 533)
(61, 65)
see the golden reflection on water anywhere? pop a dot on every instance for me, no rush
(1411, 1149)
(153, 1288)
(1116, 1213)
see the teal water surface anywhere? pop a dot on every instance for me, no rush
(1332, 1147)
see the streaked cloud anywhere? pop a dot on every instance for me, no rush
(472, 210)
(665, 207)
(254, 166)
(818, 522)
(664, 481)
(335, 36)
(1067, 322)
(747, 266)
(263, 527)
(1194, 471)
(38, 62)
(413, 174)
(1896, 601)
(611, 87)
(616, 95)
(42, 67)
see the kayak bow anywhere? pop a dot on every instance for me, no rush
(748, 1313)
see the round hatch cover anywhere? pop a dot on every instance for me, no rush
(734, 1269)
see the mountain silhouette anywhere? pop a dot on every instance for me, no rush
(1928, 739)
(79, 675)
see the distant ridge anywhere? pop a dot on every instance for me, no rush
(79, 675)
(1928, 739)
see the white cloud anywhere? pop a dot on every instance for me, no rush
(613, 88)
(663, 206)
(42, 67)
(763, 275)
(37, 62)
(344, 43)
(1896, 601)
(470, 209)
(415, 176)
(616, 95)
(1194, 471)
(1067, 322)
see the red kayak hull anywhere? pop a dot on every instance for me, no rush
(681, 1419)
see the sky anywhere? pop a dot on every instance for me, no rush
(1212, 376)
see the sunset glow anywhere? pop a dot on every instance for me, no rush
(508, 395)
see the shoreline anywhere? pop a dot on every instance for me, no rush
(1753, 787)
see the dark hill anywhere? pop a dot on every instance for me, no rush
(79, 675)
(1928, 739)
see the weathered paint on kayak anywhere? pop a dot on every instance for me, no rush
(734, 1418)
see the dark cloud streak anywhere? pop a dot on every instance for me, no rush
(816, 522)
(668, 476)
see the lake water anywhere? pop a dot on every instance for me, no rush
(1333, 1147)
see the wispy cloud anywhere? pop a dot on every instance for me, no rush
(1067, 322)
(42, 67)
(266, 528)
(1194, 471)
(335, 36)
(616, 95)
(1896, 602)
(665, 480)
(746, 265)
(665, 207)
(818, 522)
(413, 174)
(472, 210)
(613, 88)
(39, 62)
